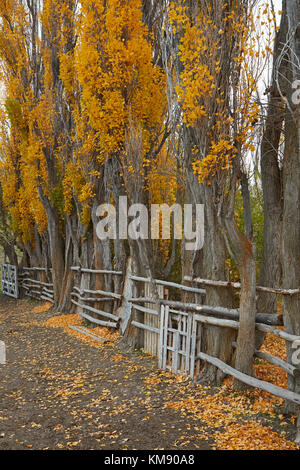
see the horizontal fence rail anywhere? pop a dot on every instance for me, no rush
(238, 285)
(169, 284)
(96, 271)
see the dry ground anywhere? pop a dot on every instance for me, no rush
(58, 391)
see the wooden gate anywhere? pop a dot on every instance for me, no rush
(9, 280)
(180, 341)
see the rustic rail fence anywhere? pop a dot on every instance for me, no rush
(36, 282)
(172, 329)
(178, 331)
(87, 300)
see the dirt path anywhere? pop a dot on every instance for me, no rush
(58, 392)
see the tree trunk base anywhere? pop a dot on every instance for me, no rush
(210, 375)
(241, 386)
(290, 408)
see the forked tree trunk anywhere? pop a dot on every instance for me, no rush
(191, 260)
(103, 249)
(217, 341)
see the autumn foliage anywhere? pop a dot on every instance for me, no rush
(79, 82)
(161, 102)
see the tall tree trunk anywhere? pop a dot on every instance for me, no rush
(86, 260)
(191, 261)
(291, 187)
(10, 253)
(271, 272)
(56, 244)
(65, 304)
(217, 341)
(119, 244)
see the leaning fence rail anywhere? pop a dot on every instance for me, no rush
(182, 287)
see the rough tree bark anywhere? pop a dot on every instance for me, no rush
(243, 251)
(291, 185)
(216, 341)
(56, 244)
(271, 175)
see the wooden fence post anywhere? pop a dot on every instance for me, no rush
(124, 312)
(151, 340)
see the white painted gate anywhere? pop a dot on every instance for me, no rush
(9, 280)
(180, 340)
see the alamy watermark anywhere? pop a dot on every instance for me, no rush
(138, 222)
(296, 94)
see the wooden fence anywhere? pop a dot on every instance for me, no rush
(172, 328)
(180, 343)
(178, 331)
(37, 283)
(87, 300)
(189, 327)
